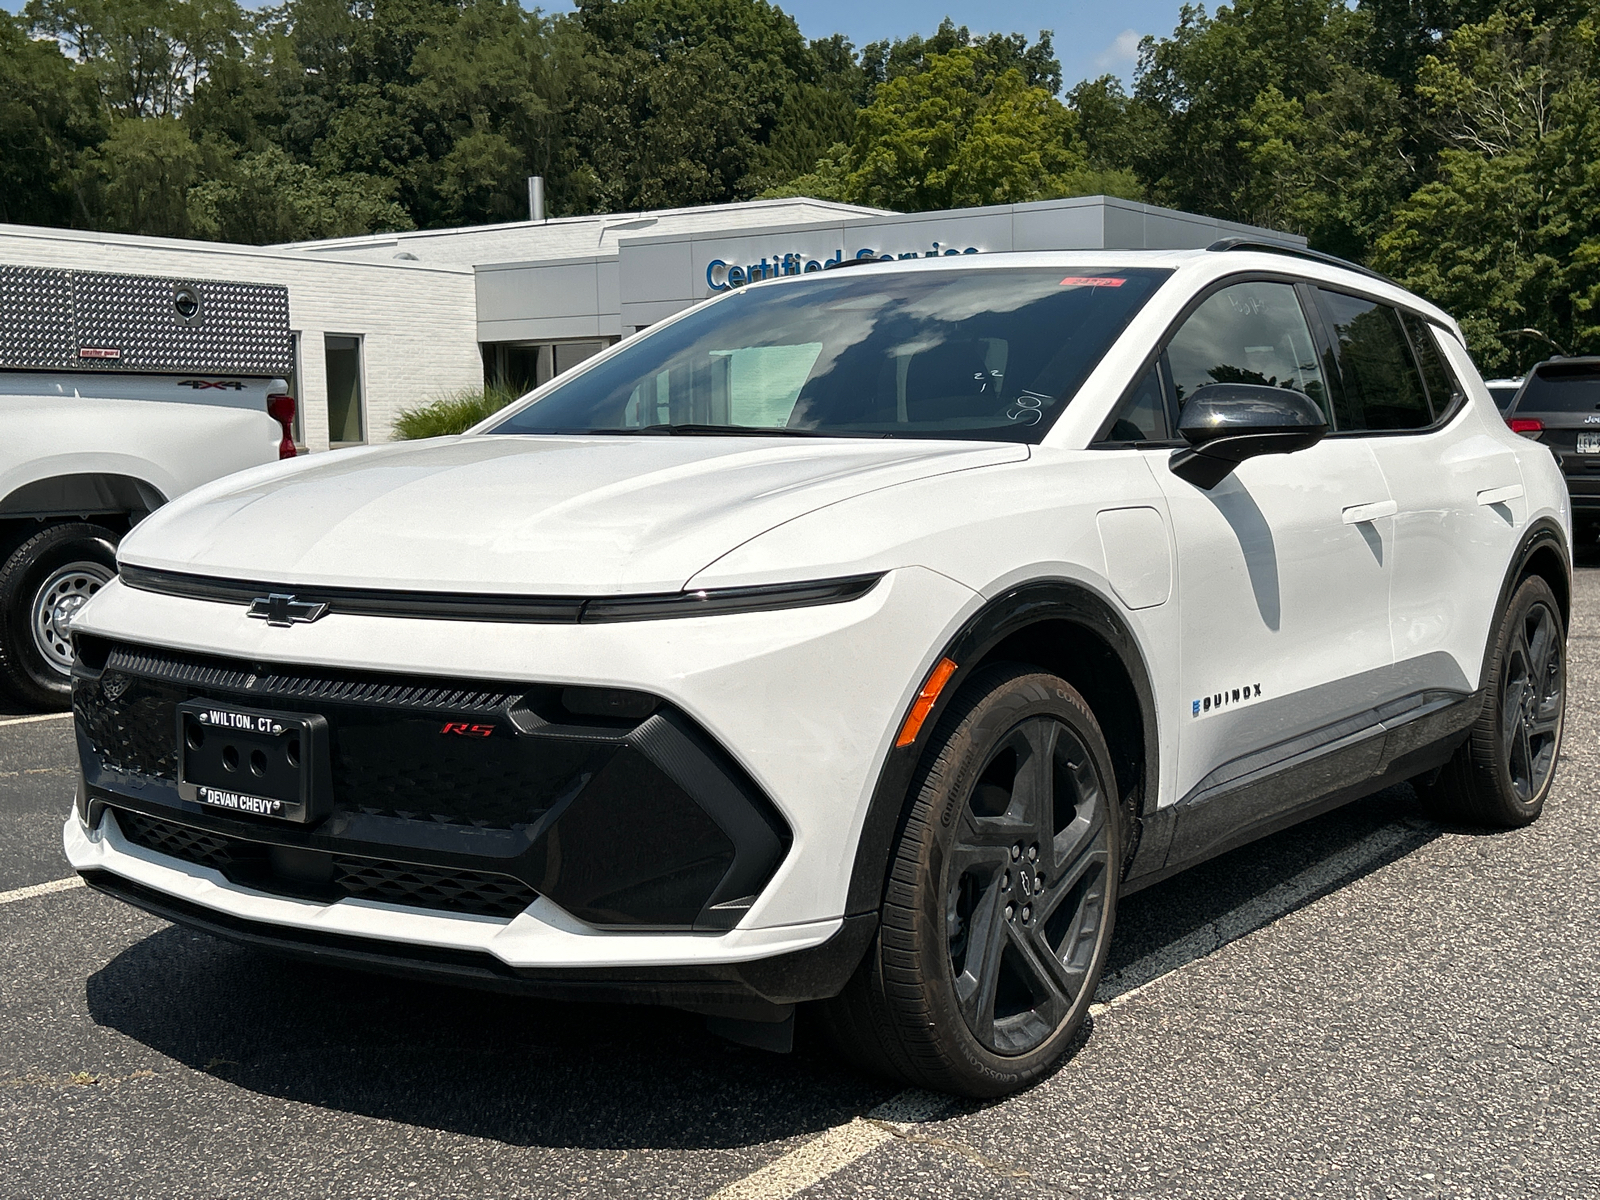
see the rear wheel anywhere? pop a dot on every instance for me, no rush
(1502, 774)
(42, 585)
(1001, 897)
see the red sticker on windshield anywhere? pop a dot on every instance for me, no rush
(1090, 281)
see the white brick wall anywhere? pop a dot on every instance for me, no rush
(418, 321)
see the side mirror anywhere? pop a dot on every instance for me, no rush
(1226, 423)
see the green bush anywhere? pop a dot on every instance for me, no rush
(452, 414)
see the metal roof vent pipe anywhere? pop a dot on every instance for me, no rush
(535, 197)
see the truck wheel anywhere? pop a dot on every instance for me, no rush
(44, 582)
(1500, 777)
(997, 916)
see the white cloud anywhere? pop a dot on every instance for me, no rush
(1123, 51)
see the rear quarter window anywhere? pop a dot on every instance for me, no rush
(1381, 388)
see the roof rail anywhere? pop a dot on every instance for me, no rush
(1245, 243)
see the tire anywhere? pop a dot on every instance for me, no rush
(1001, 895)
(1500, 776)
(45, 580)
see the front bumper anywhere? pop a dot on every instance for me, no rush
(636, 822)
(803, 702)
(724, 974)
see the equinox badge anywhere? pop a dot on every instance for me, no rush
(278, 609)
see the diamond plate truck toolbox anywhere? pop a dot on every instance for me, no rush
(59, 320)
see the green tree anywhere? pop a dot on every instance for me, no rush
(454, 104)
(138, 179)
(47, 116)
(957, 134)
(486, 101)
(1508, 233)
(997, 54)
(816, 113)
(146, 55)
(265, 197)
(1266, 114)
(672, 101)
(1114, 128)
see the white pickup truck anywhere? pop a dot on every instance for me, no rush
(123, 417)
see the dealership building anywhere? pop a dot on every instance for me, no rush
(389, 321)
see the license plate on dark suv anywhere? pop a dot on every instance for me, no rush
(264, 764)
(1589, 443)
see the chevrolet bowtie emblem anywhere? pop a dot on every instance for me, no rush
(278, 609)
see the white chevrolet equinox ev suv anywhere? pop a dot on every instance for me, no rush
(854, 639)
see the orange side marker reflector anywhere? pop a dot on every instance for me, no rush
(926, 699)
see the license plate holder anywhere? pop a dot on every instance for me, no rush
(1589, 443)
(253, 762)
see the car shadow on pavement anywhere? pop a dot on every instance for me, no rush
(1585, 548)
(10, 708)
(503, 1067)
(527, 1072)
(1194, 913)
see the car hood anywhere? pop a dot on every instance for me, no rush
(532, 515)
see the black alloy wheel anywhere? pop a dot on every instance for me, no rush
(1025, 886)
(1001, 898)
(1502, 774)
(1532, 700)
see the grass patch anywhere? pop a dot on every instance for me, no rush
(456, 413)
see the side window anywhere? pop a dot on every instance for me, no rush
(1443, 388)
(1143, 416)
(1381, 388)
(1247, 333)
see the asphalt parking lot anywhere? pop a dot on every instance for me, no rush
(1371, 1005)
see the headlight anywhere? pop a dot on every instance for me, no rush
(539, 610)
(728, 600)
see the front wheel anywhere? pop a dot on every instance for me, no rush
(42, 585)
(1503, 772)
(1002, 892)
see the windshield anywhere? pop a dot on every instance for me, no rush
(980, 354)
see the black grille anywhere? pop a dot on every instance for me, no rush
(389, 757)
(480, 892)
(282, 684)
(385, 765)
(430, 887)
(132, 724)
(177, 841)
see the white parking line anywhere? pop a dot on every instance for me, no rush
(41, 889)
(831, 1152)
(39, 717)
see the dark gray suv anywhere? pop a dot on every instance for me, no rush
(1559, 405)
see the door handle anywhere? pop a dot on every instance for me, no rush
(1499, 495)
(1355, 514)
